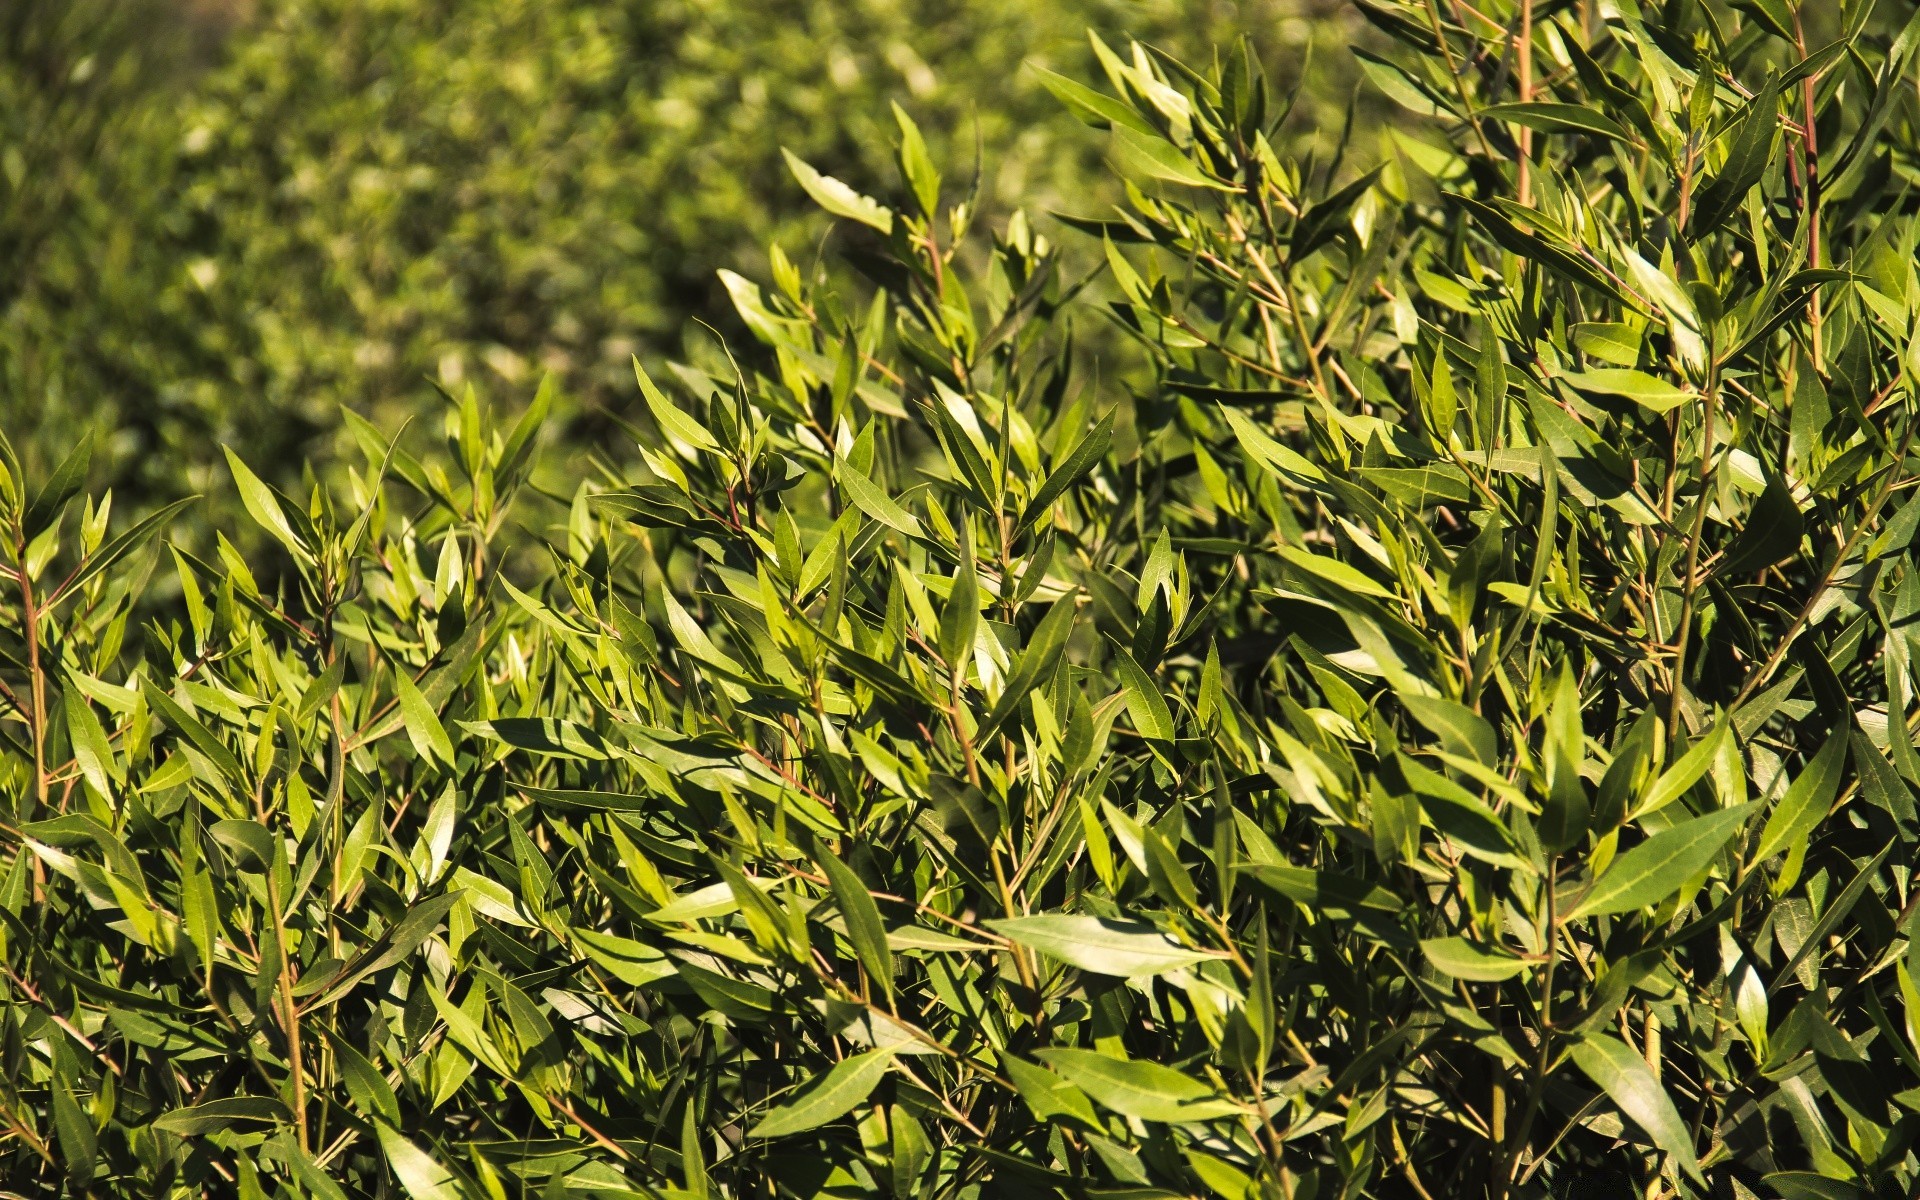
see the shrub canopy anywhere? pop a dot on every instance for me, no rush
(351, 199)
(1447, 733)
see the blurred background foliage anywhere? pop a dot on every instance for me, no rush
(224, 220)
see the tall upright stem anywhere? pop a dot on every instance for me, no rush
(1526, 97)
(1810, 149)
(1689, 582)
(289, 1012)
(36, 678)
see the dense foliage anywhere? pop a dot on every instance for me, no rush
(1448, 734)
(352, 198)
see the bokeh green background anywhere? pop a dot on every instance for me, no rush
(220, 221)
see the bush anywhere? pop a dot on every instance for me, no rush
(356, 198)
(1448, 735)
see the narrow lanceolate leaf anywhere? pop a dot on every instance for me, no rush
(869, 498)
(672, 422)
(1036, 663)
(198, 734)
(864, 930)
(419, 1174)
(1096, 108)
(1045, 1093)
(369, 1089)
(74, 1134)
(1807, 800)
(960, 618)
(1650, 392)
(1103, 945)
(1747, 159)
(1772, 533)
(1623, 1075)
(1154, 156)
(1661, 865)
(424, 729)
(1462, 959)
(1558, 118)
(1145, 704)
(1324, 891)
(216, 1115)
(122, 545)
(839, 199)
(1140, 1089)
(91, 751)
(406, 936)
(265, 508)
(836, 1094)
(1085, 454)
(1681, 776)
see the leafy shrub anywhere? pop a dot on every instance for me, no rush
(359, 197)
(85, 138)
(1449, 735)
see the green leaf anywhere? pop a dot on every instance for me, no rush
(1323, 222)
(1811, 1185)
(1046, 1094)
(215, 1115)
(1145, 704)
(65, 482)
(1461, 730)
(424, 729)
(1270, 454)
(1095, 108)
(1558, 118)
(421, 1176)
(1512, 238)
(672, 422)
(371, 1093)
(1152, 156)
(1324, 891)
(1771, 534)
(264, 507)
(1608, 341)
(399, 941)
(1037, 662)
(1746, 163)
(1132, 1088)
(1104, 945)
(960, 616)
(1460, 815)
(837, 1093)
(864, 930)
(634, 963)
(1808, 798)
(1678, 779)
(73, 1129)
(1463, 959)
(126, 543)
(1085, 454)
(1341, 575)
(735, 998)
(868, 497)
(917, 165)
(91, 750)
(1774, 14)
(542, 735)
(1661, 865)
(1623, 1075)
(839, 199)
(1655, 395)
(199, 735)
